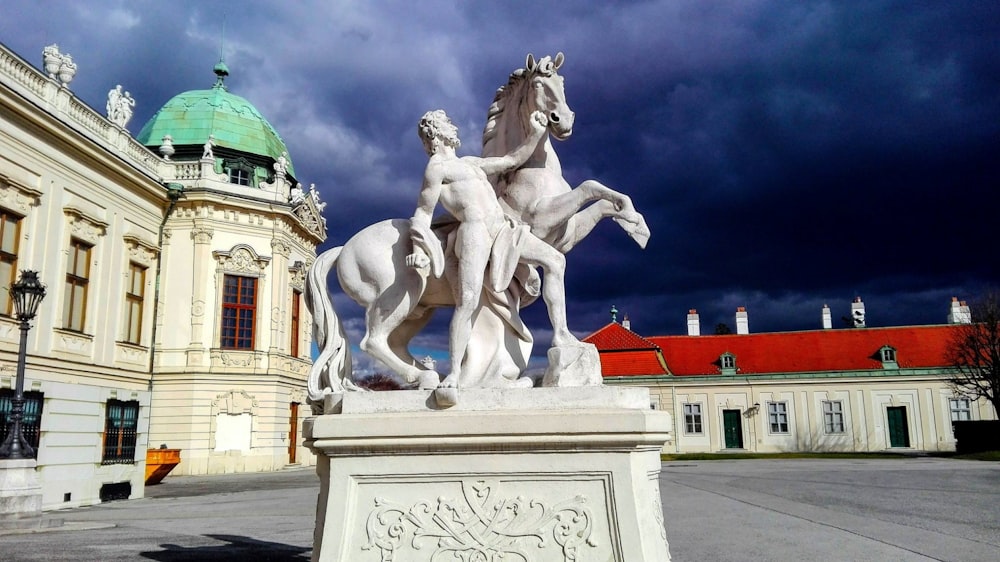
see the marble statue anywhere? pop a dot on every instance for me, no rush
(485, 239)
(281, 165)
(207, 150)
(401, 270)
(112, 106)
(297, 195)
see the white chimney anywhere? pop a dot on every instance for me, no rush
(742, 321)
(858, 313)
(694, 324)
(827, 318)
(960, 312)
(625, 323)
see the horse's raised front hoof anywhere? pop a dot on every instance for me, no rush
(635, 227)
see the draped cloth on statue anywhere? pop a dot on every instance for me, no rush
(501, 341)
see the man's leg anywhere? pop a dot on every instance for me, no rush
(472, 248)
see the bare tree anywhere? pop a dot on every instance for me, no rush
(974, 352)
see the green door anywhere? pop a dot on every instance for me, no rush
(899, 433)
(732, 428)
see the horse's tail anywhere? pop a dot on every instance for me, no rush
(333, 366)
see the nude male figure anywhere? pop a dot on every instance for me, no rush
(462, 188)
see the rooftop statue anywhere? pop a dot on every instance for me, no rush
(401, 270)
(120, 106)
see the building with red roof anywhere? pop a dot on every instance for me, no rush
(852, 389)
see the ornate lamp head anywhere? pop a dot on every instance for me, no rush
(27, 293)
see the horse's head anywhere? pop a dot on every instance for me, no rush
(546, 94)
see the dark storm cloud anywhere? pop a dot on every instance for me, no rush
(785, 154)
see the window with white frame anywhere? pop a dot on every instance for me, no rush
(692, 418)
(728, 361)
(961, 409)
(777, 415)
(833, 416)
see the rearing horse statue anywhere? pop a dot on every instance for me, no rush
(399, 300)
(536, 193)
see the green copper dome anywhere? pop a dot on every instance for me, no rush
(191, 116)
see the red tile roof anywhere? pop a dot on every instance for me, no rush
(625, 353)
(793, 352)
(615, 337)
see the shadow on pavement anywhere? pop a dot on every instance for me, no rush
(239, 549)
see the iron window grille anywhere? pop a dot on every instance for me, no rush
(120, 432)
(31, 419)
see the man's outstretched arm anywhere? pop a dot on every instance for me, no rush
(517, 157)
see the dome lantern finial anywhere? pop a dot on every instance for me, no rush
(221, 71)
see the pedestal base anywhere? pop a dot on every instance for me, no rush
(543, 474)
(21, 496)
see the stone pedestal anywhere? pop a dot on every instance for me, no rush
(20, 495)
(541, 474)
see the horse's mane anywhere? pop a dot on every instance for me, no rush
(492, 143)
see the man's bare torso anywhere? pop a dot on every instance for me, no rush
(465, 191)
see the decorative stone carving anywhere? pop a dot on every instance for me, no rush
(67, 70)
(18, 197)
(206, 153)
(297, 276)
(197, 308)
(234, 402)
(84, 227)
(167, 147)
(241, 259)
(52, 60)
(202, 235)
(481, 524)
(280, 247)
(139, 250)
(307, 210)
(120, 107)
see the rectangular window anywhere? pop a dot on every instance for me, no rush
(77, 280)
(961, 409)
(692, 418)
(293, 346)
(777, 414)
(239, 176)
(10, 228)
(239, 310)
(31, 419)
(120, 428)
(833, 416)
(134, 297)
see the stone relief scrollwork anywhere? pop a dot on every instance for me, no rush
(280, 247)
(480, 525)
(242, 259)
(297, 276)
(202, 235)
(234, 402)
(18, 197)
(84, 227)
(139, 250)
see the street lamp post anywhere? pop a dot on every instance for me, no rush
(27, 293)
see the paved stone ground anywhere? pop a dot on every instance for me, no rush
(907, 509)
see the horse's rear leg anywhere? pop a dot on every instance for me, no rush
(399, 341)
(383, 317)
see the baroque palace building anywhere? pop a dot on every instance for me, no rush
(857, 389)
(174, 263)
